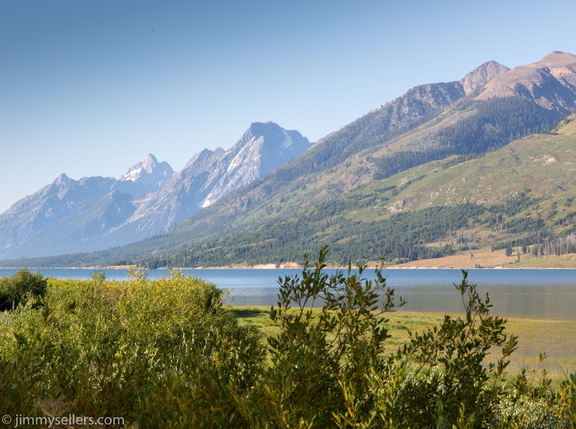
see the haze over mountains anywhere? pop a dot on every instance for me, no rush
(95, 213)
(311, 200)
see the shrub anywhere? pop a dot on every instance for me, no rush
(165, 354)
(441, 378)
(329, 366)
(322, 357)
(161, 353)
(23, 285)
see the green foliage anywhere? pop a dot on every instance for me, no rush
(514, 205)
(329, 367)
(445, 369)
(165, 354)
(439, 379)
(509, 250)
(23, 285)
(497, 122)
(428, 232)
(317, 350)
(531, 403)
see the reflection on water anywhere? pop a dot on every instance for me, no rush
(549, 294)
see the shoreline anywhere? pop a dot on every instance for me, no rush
(329, 267)
(480, 259)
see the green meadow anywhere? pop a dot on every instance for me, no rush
(554, 340)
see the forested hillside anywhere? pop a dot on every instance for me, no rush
(428, 123)
(520, 196)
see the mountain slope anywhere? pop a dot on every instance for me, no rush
(210, 175)
(39, 211)
(68, 214)
(483, 112)
(522, 193)
(428, 123)
(98, 213)
(291, 187)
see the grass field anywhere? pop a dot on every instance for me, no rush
(556, 339)
(486, 258)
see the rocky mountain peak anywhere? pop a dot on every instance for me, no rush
(62, 179)
(149, 162)
(274, 137)
(558, 59)
(144, 177)
(259, 129)
(550, 83)
(264, 147)
(480, 76)
(262, 127)
(149, 171)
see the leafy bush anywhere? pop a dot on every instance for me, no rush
(316, 351)
(22, 285)
(165, 354)
(443, 371)
(329, 366)
(162, 353)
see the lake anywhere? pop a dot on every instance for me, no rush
(547, 294)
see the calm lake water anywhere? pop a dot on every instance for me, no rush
(548, 294)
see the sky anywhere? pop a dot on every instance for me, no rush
(90, 87)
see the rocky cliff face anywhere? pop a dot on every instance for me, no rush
(479, 77)
(210, 175)
(263, 148)
(425, 99)
(144, 177)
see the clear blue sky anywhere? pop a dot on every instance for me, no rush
(91, 87)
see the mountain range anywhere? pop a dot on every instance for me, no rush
(354, 189)
(95, 213)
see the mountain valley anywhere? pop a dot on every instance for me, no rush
(484, 162)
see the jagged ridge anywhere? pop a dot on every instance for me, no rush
(97, 213)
